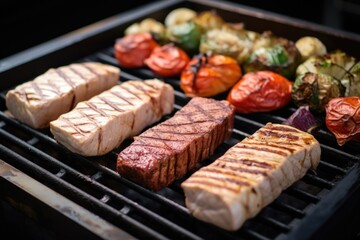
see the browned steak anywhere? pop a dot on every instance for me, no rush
(167, 151)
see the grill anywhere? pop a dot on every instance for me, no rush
(51, 193)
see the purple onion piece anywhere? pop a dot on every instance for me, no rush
(303, 120)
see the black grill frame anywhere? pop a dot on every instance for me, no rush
(305, 210)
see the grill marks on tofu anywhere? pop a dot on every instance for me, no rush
(250, 175)
(58, 90)
(167, 151)
(97, 126)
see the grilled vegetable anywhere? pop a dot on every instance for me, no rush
(303, 120)
(167, 60)
(185, 35)
(343, 119)
(133, 49)
(208, 20)
(310, 46)
(149, 25)
(351, 81)
(316, 90)
(228, 41)
(275, 54)
(178, 16)
(208, 75)
(261, 91)
(335, 64)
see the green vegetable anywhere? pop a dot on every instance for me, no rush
(351, 81)
(185, 35)
(335, 64)
(228, 41)
(316, 90)
(274, 54)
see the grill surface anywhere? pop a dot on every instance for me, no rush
(317, 202)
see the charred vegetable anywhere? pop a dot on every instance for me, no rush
(132, 50)
(303, 120)
(148, 25)
(335, 64)
(185, 35)
(351, 81)
(208, 20)
(261, 91)
(167, 60)
(343, 119)
(178, 16)
(275, 54)
(209, 75)
(228, 41)
(310, 46)
(316, 90)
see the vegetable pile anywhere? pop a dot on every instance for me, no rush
(258, 72)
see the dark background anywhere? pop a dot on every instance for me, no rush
(25, 24)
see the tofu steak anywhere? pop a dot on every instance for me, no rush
(97, 126)
(58, 90)
(250, 175)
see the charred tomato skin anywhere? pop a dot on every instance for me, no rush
(132, 50)
(260, 91)
(343, 118)
(207, 75)
(167, 60)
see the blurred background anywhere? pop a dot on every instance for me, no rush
(25, 24)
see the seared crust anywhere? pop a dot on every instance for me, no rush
(169, 150)
(250, 175)
(58, 90)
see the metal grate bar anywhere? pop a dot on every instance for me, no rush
(275, 223)
(315, 180)
(302, 194)
(333, 167)
(288, 209)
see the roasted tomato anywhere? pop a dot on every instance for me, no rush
(261, 91)
(133, 49)
(167, 60)
(208, 75)
(343, 118)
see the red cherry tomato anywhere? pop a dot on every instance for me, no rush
(133, 49)
(261, 91)
(209, 75)
(167, 60)
(343, 118)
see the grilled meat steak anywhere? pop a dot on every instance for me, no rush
(58, 90)
(168, 150)
(250, 175)
(97, 126)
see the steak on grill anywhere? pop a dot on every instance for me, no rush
(250, 175)
(58, 90)
(97, 126)
(167, 151)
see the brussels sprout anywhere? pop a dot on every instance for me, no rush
(274, 54)
(316, 90)
(351, 81)
(185, 35)
(150, 25)
(310, 46)
(335, 64)
(209, 20)
(226, 41)
(178, 16)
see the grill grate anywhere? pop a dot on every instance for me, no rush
(94, 184)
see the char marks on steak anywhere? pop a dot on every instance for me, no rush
(167, 151)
